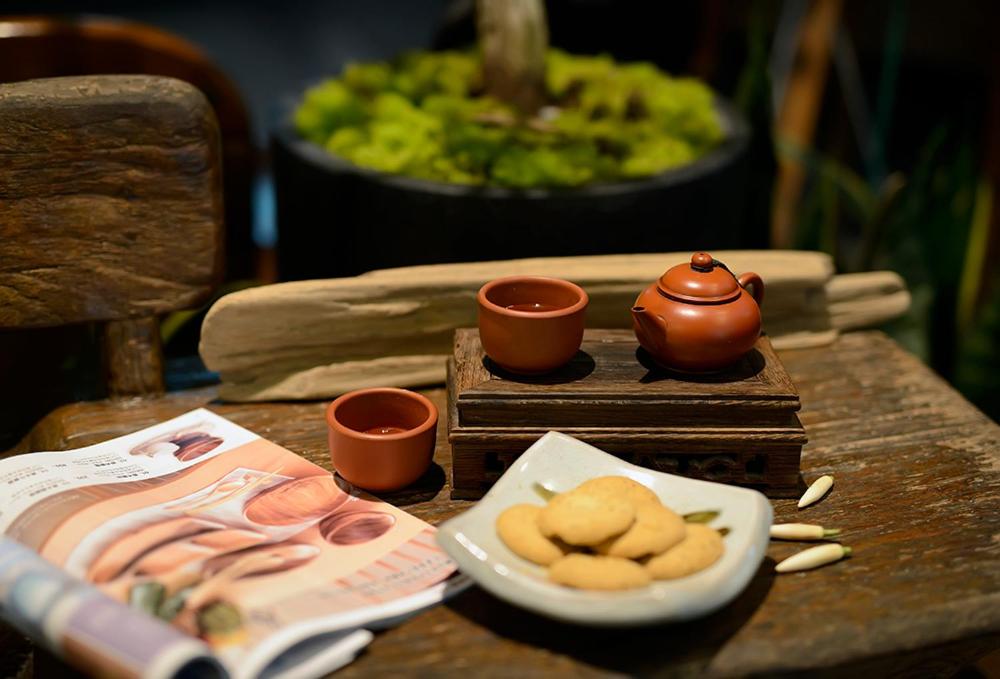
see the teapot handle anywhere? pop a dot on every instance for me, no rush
(756, 285)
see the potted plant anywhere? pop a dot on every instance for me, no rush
(514, 150)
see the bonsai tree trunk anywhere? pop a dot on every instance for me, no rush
(513, 37)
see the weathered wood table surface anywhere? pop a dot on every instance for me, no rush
(917, 495)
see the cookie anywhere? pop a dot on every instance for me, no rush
(655, 530)
(585, 518)
(619, 486)
(517, 526)
(585, 571)
(700, 548)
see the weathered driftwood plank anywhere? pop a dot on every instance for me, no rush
(315, 339)
(110, 199)
(866, 299)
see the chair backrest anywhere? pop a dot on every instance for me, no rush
(110, 211)
(48, 47)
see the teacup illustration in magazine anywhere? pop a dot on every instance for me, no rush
(228, 537)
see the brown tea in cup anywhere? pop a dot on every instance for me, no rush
(531, 325)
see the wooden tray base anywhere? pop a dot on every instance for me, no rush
(736, 427)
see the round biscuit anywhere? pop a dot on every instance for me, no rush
(585, 519)
(656, 529)
(701, 547)
(620, 486)
(585, 571)
(517, 526)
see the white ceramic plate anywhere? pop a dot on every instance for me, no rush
(561, 462)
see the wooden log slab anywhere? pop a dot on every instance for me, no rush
(316, 339)
(110, 199)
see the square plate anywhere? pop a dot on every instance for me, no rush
(562, 462)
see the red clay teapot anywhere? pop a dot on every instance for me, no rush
(699, 317)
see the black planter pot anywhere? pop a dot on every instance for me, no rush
(336, 219)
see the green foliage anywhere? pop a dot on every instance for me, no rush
(930, 227)
(978, 360)
(753, 99)
(425, 116)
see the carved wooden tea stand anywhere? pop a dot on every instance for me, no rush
(739, 426)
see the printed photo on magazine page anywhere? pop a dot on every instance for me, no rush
(229, 537)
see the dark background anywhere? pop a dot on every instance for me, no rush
(272, 49)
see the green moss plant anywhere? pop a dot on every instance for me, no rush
(426, 115)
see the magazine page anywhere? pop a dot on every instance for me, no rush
(90, 630)
(227, 536)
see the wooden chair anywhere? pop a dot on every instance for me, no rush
(110, 212)
(64, 363)
(46, 47)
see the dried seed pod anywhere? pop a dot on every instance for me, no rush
(802, 531)
(817, 490)
(701, 517)
(814, 557)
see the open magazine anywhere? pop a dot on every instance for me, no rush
(196, 547)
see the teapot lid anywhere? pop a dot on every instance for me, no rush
(705, 279)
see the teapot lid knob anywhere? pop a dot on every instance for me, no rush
(704, 280)
(702, 261)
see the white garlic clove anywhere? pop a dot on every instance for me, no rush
(816, 491)
(814, 557)
(802, 531)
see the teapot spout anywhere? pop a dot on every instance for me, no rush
(650, 328)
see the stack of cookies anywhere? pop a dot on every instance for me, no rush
(609, 533)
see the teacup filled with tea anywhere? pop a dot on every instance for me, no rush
(531, 325)
(382, 438)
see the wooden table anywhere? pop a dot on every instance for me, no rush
(917, 495)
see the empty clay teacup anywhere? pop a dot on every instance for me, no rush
(381, 439)
(531, 325)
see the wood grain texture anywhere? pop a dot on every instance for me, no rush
(133, 357)
(917, 495)
(58, 45)
(110, 199)
(611, 382)
(737, 426)
(318, 336)
(861, 300)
